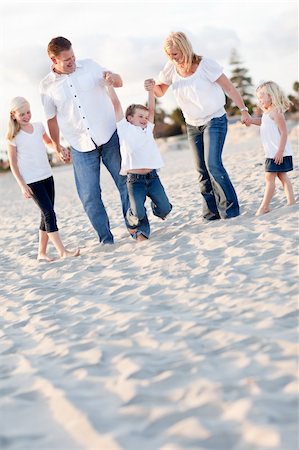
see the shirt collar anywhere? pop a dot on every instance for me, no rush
(55, 75)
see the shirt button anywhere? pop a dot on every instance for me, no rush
(83, 117)
(75, 95)
(79, 106)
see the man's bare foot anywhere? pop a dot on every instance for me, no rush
(262, 211)
(70, 254)
(291, 203)
(44, 257)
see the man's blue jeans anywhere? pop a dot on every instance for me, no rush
(219, 196)
(142, 186)
(87, 177)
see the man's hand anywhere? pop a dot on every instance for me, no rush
(109, 78)
(63, 153)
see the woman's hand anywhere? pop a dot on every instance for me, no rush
(149, 84)
(246, 118)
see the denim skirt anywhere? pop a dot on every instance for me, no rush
(285, 166)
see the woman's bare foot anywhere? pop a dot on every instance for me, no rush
(70, 254)
(44, 257)
(262, 211)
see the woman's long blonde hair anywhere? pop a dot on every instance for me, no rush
(279, 100)
(179, 40)
(13, 126)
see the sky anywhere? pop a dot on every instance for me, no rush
(127, 37)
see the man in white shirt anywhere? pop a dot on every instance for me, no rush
(76, 102)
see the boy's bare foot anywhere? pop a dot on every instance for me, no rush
(70, 254)
(141, 238)
(262, 211)
(44, 257)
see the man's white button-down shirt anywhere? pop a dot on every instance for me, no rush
(81, 104)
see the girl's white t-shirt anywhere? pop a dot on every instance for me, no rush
(270, 137)
(32, 158)
(138, 147)
(198, 95)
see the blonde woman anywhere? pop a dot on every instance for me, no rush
(199, 84)
(30, 166)
(274, 136)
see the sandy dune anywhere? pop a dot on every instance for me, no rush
(188, 341)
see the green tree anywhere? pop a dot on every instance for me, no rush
(294, 98)
(178, 119)
(242, 81)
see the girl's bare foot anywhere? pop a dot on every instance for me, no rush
(44, 257)
(70, 254)
(262, 211)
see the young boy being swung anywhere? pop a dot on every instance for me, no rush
(140, 159)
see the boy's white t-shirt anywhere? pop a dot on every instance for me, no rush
(198, 95)
(138, 147)
(32, 158)
(270, 137)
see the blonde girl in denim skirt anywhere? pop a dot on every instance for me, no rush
(274, 136)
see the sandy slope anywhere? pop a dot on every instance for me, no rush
(188, 341)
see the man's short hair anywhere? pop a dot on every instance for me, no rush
(58, 45)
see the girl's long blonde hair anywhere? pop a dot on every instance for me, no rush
(13, 126)
(279, 100)
(179, 40)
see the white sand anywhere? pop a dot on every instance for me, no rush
(188, 341)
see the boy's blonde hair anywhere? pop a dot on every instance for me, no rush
(279, 100)
(13, 126)
(179, 40)
(130, 111)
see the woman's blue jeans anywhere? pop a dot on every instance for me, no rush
(219, 196)
(87, 177)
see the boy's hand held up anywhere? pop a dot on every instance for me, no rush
(149, 84)
(108, 78)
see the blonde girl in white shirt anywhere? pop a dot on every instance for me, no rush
(274, 136)
(30, 166)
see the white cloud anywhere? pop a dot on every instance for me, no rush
(127, 37)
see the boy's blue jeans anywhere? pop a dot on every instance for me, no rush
(87, 177)
(219, 196)
(142, 186)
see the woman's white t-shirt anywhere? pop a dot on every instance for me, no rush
(198, 95)
(32, 158)
(270, 137)
(138, 147)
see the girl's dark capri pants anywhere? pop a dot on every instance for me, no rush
(43, 195)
